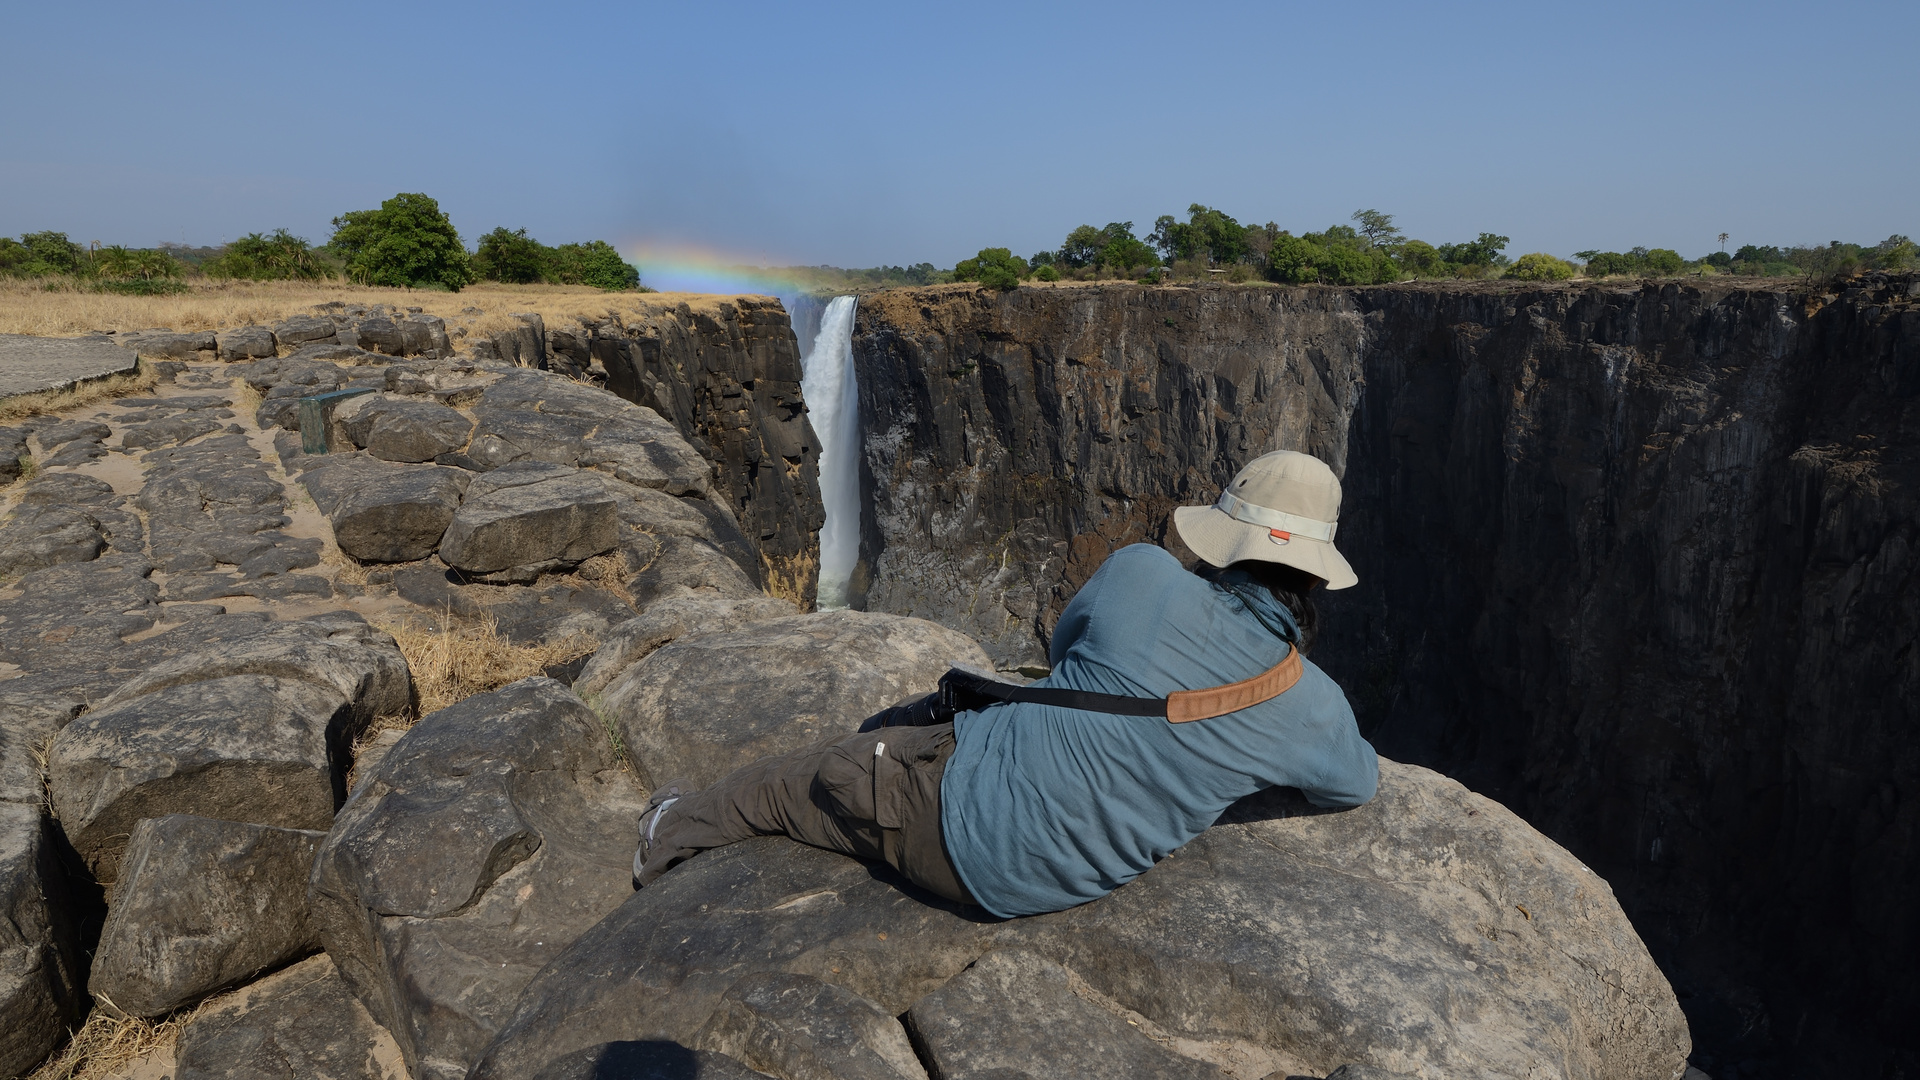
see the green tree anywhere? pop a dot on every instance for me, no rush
(407, 242)
(1421, 259)
(512, 257)
(996, 268)
(597, 264)
(1482, 252)
(1081, 247)
(1377, 228)
(1046, 273)
(1539, 266)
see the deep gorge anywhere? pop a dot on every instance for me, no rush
(1636, 560)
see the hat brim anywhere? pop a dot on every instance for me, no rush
(1223, 540)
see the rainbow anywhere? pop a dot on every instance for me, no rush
(689, 268)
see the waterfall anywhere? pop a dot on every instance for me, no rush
(833, 405)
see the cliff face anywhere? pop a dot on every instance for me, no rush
(726, 372)
(1638, 562)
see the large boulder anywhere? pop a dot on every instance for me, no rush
(709, 703)
(302, 1023)
(165, 344)
(412, 429)
(634, 640)
(303, 330)
(533, 516)
(1430, 932)
(246, 343)
(534, 416)
(386, 513)
(258, 730)
(486, 839)
(40, 972)
(201, 904)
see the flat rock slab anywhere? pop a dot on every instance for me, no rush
(29, 364)
(711, 702)
(799, 1028)
(201, 904)
(531, 515)
(302, 1023)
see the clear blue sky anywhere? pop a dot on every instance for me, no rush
(895, 133)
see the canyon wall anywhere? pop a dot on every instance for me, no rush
(1636, 560)
(726, 372)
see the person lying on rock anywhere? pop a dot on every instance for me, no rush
(1173, 694)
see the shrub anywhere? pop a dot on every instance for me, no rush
(597, 264)
(996, 268)
(407, 242)
(280, 256)
(1539, 266)
(1046, 273)
(1339, 256)
(512, 257)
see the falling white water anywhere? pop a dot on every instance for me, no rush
(833, 405)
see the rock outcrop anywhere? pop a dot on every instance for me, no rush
(489, 837)
(302, 1022)
(724, 371)
(1429, 932)
(201, 904)
(699, 708)
(1633, 559)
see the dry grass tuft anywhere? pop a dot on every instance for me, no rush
(106, 1045)
(49, 402)
(456, 662)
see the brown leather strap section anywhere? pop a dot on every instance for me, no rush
(1185, 705)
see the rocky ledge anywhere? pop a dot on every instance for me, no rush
(216, 805)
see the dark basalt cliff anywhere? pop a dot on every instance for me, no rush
(1637, 561)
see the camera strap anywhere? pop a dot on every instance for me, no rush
(962, 690)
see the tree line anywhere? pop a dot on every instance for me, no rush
(1370, 250)
(407, 241)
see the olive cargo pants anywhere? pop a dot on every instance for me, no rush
(873, 795)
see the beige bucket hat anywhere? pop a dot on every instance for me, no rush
(1283, 508)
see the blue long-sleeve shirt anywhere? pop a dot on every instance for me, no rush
(1043, 808)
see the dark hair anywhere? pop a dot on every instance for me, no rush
(1292, 587)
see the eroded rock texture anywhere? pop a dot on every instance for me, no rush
(1637, 560)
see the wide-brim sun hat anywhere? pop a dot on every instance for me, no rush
(1283, 507)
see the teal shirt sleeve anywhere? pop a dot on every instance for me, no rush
(1044, 808)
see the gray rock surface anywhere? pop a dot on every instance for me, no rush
(14, 454)
(303, 330)
(36, 537)
(28, 364)
(386, 513)
(529, 416)
(166, 344)
(1015, 1013)
(634, 640)
(393, 427)
(298, 1024)
(1429, 932)
(527, 514)
(245, 343)
(201, 904)
(799, 1028)
(40, 971)
(256, 730)
(708, 703)
(483, 842)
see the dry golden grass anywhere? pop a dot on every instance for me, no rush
(49, 402)
(27, 307)
(456, 662)
(105, 1046)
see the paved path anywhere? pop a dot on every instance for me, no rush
(28, 363)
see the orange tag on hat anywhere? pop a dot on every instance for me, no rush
(1279, 537)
